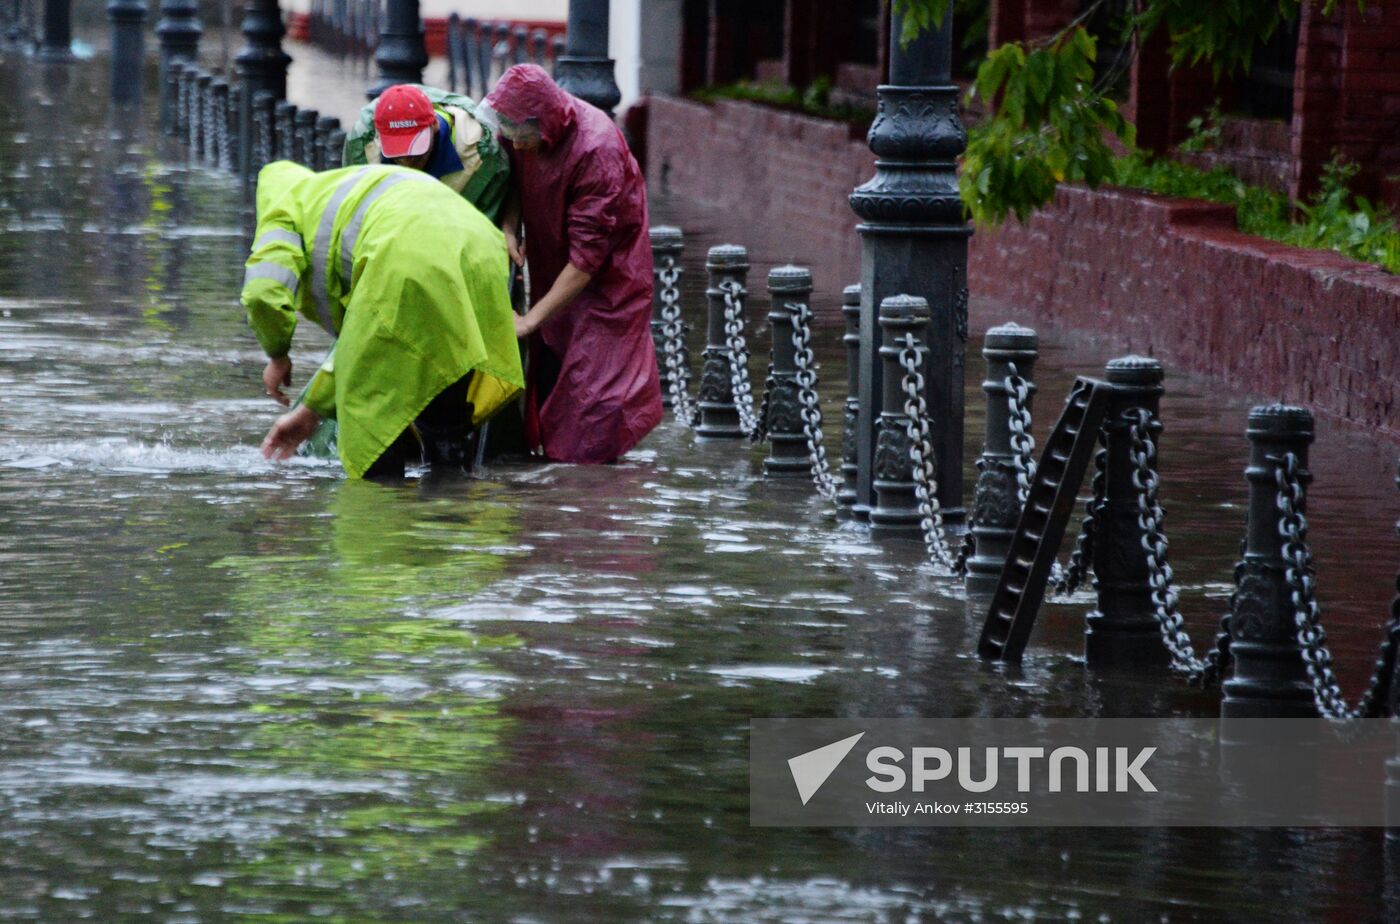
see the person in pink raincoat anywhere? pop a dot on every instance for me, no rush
(592, 388)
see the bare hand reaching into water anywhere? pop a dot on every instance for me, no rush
(290, 431)
(277, 373)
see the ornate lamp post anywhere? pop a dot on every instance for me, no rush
(401, 55)
(587, 71)
(914, 242)
(179, 31)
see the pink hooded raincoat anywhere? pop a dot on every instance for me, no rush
(592, 386)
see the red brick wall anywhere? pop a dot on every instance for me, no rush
(1167, 277)
(1347, 96)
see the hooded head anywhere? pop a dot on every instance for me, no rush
(275, 181)
(527, 92)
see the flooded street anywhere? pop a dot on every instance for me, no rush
(233, 689)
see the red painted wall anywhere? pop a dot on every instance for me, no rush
(1171, 278)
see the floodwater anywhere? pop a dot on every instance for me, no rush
(231, 689)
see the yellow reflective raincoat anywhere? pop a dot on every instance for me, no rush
(404, 273)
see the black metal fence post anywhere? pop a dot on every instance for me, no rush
(1269, 678)
(727, 264)
(285, 116)
(305, 145)
(1122, 631)
(789, 287)
(896, 511)
(179, 31)
(666, 246)
(995, 503)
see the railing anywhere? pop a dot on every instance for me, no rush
(1270, 655)
(477, 51)
(206, 117)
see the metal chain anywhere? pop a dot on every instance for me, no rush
(739, 360)
(1165, 599)
(673, 343)
(807, 396)
(911, 359)
(1068, 579)
(1312, 638)
(1062, 580)
(1018, 393)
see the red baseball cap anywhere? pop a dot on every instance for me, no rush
(405, 121)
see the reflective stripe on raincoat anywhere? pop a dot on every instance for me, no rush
(485, 174)
(404, 274)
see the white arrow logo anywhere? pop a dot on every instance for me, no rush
(810, 770)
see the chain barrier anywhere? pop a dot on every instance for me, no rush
(742, 388)
(811, 406)
(1312, 637)
(911, 360)
(672, 345)
(1165, 598)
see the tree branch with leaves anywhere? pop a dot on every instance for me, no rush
(1050, 121)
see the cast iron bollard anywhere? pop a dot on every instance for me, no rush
(995, 503)
(235, 125)
(324, 126)
(207, 140)
(306, 137)
(454, 31)
(521, 35)
(789, 287)
(1269, 679)
(500, 51)
(666, 246)
(1122, 631)
(896, 511)
(850, 469)
(264, 140)
(335, 149)
(470, 74)
(222, 152)
(186, 99)
(198, 124)
(262, 64)
(559, 46)
(483, 56)
(539, 46)
(285, 115)
(175, 77)
(719, 417)
(587, 71)
(179, 32)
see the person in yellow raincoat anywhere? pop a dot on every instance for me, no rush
(407, 277)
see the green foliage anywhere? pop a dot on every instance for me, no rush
(1205, 130)
(1224, 35)
(918, 15)
(812, 100)
(1332, 219)
(1049, 127)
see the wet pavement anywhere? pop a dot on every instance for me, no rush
(231, 689)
